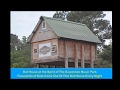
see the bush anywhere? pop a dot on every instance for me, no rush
(104, 64)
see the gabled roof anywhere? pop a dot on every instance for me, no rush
(68, 29)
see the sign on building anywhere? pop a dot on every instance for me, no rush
(45, 49)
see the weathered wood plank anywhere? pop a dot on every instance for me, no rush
(36, 46)
(82, 61)
(37, 65)
(92, 62)
(31, 52)
(41, 34)
(76, 56)
(96, 52)
(66, 55)
(87, 51)
(61, 48)
(48, 66)
(57, 48)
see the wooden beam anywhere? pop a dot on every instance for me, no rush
(57, 47)
(31, 52)
(92, 62)
(82, 60)
(76, 56)
(37, 65)
(96, 52)
(48, 66)
(66, 55)
(34, 65)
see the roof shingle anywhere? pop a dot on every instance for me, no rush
(71, 30)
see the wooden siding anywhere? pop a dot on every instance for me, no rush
(36, 57)
(41, 35)
(61, 48)
(93, 52)
(35, 46)
(87, 51)
(72, 50)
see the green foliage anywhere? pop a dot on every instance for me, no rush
(106, 57)
(104, 64)
(21, 58)
(60, 15)
(15, 42)
(106, 53)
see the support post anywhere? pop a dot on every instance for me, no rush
(76, 56)
(92, 62)
(48, 66)
(96, 59)
(37, 65)
(32, 53)
(66, 55)
(82, 61)
(34, 65)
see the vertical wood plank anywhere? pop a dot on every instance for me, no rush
(37, 65)
(48, 66)
(92, 62)
(34, 65)
(96, 52)
(90, 55)
(31, 52)
(57, 47)
(82, 60)
(66, 55)
(76, 56)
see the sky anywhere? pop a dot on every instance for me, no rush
(23, 22)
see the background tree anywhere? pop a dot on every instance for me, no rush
(60, 15)
(15, 42)
(21, 57)
(106, 54)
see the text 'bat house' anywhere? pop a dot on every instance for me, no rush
(63, 43)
